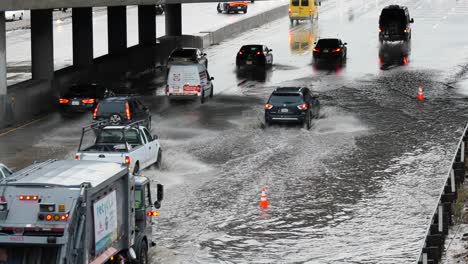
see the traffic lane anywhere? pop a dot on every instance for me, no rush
(403, 158)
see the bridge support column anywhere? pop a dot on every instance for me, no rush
(117, 29)
(4, 106)
(174, 19)
(82, 23)
(42, 45)
(147, 25)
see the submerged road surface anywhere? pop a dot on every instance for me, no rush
(359, 187)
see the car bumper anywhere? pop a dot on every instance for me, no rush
(327, 55)
(285, 118)
(300, 17)
(174, 96)
(76, 108)
(393, 37)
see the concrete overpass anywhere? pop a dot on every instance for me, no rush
(45, 82)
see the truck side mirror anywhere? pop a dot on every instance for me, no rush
(155, 137)
(159, 196)
(412, 20)
(212, 78)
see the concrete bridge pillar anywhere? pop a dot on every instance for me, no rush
(42, 45)
(82, 23)
(3, 82)
(174, 19)
(117, 29)
(147, 25)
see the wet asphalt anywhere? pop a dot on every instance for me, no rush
(359, 187)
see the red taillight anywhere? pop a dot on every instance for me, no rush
(35, 198)
(127, 160)
(127, 111)
(406, 30)
(303, 107)
(316, 50)
(77, 157)
(240, 53)
(21, 197)
(268, 106)
(48, 217)
(380, 30)
(289, 10)
(167, 89)
(95, 111)
(152, 214)
(310, 10)
(258, 53)
(405, 61)
(28, 198)
(63, 101)
(336, 50)
(88, 101)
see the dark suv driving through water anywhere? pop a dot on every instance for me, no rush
(292, 105)
(122, 110)
(395, 24)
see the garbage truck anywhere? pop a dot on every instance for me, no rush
(76, 212)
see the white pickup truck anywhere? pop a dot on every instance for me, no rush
(130, 144)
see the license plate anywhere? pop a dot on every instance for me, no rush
(248, 62)
(284, 110)
(325, 51)
(75, 102)
(295, 13)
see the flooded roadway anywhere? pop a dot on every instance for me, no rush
(359, 187)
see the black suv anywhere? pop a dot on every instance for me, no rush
(395, 23)
(122, 110)
(330, 49)
(292, 104)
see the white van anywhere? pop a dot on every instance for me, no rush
(189, 81)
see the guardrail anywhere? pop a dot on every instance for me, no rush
(433, 246)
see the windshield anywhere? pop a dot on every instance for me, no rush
(328, 43)
(111, 107)
(392, 16)
(251, 49)
(288, 98)
(184, 53)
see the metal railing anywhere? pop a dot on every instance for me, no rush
(433, 245)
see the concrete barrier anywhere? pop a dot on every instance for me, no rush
(437, 231)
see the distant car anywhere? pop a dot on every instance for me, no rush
(330, 49)
(82, 97)
(159, 9)
(292, 104)
(395, 23)
(14, 15)
(122, 110)
(4, 171)
(187, 55)
(189, 81)
(232, 7)
(254, 55)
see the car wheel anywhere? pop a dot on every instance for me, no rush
(21, 17)
(202, 99)
(252, 1)
(245, 12)
(137, 168)
(13, 18)
(308, 121)
(148, 123)
(212, 91)
(219, 10)
(143, 254)
(115, 119)
(158, 163)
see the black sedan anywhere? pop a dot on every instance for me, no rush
(82, 97)
(330, 49)
(292, 105)
(254, 55)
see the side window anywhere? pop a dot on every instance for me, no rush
(305, 3)
(295, 2)
(148, 135)
(142, 135)
(147, 196)
(138, 199)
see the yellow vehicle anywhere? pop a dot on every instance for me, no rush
(303, 10)
(301, 39)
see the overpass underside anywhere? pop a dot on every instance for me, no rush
(19, 102)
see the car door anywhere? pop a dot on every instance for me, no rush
(153, 146)
(304, 9)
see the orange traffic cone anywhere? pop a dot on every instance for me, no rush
(263, 199)
(420, 96)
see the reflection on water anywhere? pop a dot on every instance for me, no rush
(301, 38)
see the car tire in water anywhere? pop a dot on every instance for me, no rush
(212, 91)
(202, 99)
(143, 254)
(245, 12)
(158, 163)
(137, 168)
